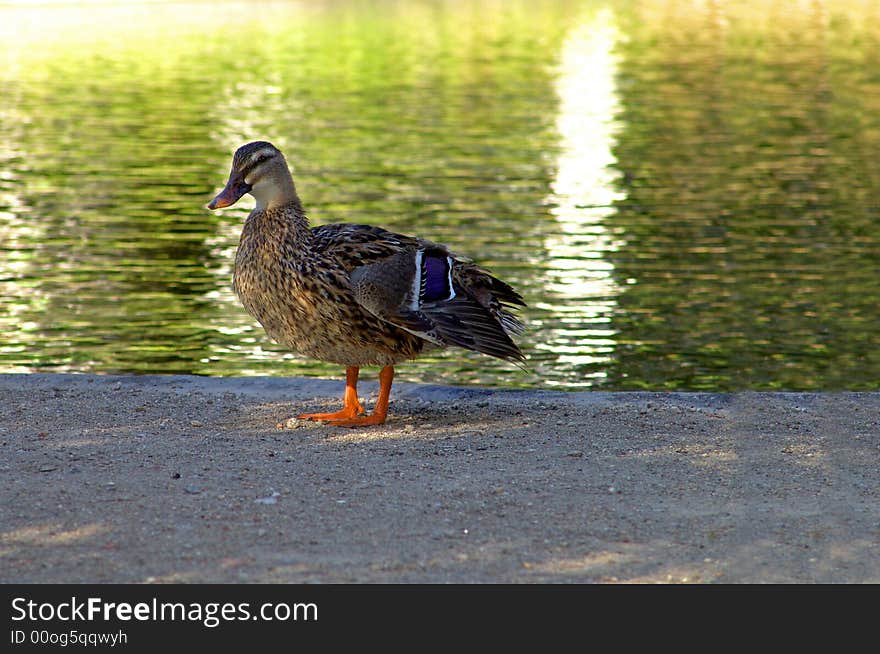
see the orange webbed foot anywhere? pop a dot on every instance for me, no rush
(358, 421)
(350, 416)
(346, 412)
(351, 406)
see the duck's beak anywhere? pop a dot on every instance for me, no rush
(235, 188)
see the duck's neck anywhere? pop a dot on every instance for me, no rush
(277, 199)
(297, 220)
(279, 223)
(274, 192)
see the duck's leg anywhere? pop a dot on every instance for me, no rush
(380, 411)
(350, 407)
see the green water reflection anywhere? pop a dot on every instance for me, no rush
(686, 194)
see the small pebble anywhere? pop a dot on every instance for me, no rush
(269, 499)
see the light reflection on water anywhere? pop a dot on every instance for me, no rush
(579, 286)
(685, 193)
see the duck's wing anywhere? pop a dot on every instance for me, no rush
(425, 289)
(350, 245)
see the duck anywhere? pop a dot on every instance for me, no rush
(356, 295)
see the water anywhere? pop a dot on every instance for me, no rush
(686, 193)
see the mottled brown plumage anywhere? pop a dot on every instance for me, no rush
(356, 295)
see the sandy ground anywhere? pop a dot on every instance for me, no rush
(188, 479)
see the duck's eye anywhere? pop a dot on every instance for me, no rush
(255, 163)
(260, 156)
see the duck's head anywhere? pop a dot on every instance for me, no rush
(258, 168)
